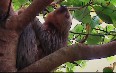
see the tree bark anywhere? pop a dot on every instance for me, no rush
(11, 31)
(4, 5)
(22, 20)
(72, 53)
(8, 41)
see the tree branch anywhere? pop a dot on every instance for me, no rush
(72, 53)
(30, 13)
(8, 11)
(84, 39)
(22, 20)
(99, 34)
(4, 4)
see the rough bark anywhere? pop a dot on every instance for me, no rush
(13, 26)
(22, 20)
(8, 42)
(72, 53)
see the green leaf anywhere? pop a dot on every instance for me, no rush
(108, 38)
(103, 16)
(107, 10)
(71, 35)
(82, 63)
(111, 59)
(94, 40)
(71, 3)
(110, 28)
(107, 4)
(114, 19)
(107, 14)
(83, 15)
(69, 66)
(78, 28)
(95, 21)
(23, 1)
(108, 69)
(17, 5)
(113, 2)
(85, 1)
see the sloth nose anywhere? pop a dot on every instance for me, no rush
(63, 9)
(63, 6)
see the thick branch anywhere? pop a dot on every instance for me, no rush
(30, 13)
(9, 36)
(5, 10)
(18, 22)
(72, 53)
(4, 5)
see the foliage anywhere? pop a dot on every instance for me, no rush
(100, 28)
(17, 4)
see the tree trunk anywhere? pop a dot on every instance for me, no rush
(11, 29)
(8, 44)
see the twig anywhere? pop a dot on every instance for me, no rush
(84, 39)
(74, 8)
(93, 34)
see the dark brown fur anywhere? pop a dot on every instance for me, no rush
(53, 34)
(50, 36)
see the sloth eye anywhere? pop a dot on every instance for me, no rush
(67, 15)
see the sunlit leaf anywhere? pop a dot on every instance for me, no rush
(83, 15)
(78, 28)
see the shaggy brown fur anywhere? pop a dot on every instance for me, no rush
(50, 36)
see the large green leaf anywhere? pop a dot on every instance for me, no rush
(94, 40)
(107, 14)
(110, 28)
(23, 1)
(108, 70)
(95, 21)
(78, 28)
(111, 59)
(113, 19)
(113, 2)
(69, 66)
(105, 3)
(106, 10)
(18, 3)
(75, 2)
(83, 15)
